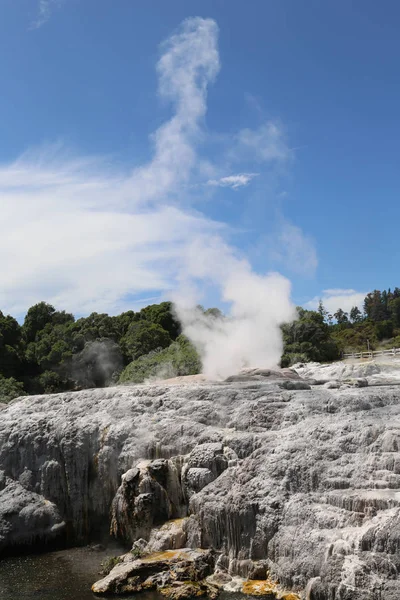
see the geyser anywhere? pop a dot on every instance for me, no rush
(250, 335)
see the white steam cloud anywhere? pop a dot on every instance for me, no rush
(84, 235)
(250, 335)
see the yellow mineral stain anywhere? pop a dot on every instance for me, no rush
(259, 587)
(268, 588)
(173, 522)
(168, 555)
(165, 555)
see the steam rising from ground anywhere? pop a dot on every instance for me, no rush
(250, 335)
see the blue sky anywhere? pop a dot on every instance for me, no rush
(290, 158)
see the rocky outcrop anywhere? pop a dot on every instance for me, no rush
(295, 486)
(176, 573)
(150, 494)
(169, 536)
(383, 370)
(26, 518)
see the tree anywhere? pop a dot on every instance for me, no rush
(164, 315)
(10, 346)
(10, 388)
(10, 331)
(123, 321)
(384, 330)
(355, 315)
(395, 310)
(322, 310)
(60, 317)
(51, 347)
(180, 358)
(341, 317)
(35, 320)
(10, 361)
(96, 326)
(40, 315)
(142, 337)
(51, 382)
(309, 338)
(375, 306)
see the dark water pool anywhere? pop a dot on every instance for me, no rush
(64, 575)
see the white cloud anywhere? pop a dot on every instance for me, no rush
(338, 298)
(293, 249)
(339, 292)
(233, 181)
(83, 235)
(44, 13)
(265, 144)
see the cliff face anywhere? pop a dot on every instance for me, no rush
(304, 483)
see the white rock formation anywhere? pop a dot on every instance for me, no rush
(304, 483)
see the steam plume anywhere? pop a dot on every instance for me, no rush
(250, 335)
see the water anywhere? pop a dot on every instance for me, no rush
(63, 575)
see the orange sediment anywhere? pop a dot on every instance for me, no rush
(268, 589)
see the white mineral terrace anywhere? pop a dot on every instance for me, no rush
(277, 472)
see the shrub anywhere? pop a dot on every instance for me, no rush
(180, 358)
(108, 564)
(10, 388)
(288, 360)
(144, 337)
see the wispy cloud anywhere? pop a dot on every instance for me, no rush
(233, 181)
(339, 292)
(45, 10)
(292, 248)
(338, 298)
(267, 143)
(85, 236)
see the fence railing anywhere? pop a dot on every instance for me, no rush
(373, 353)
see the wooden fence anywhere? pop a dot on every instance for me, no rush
(373, 353)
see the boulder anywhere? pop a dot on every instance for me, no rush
(169, 536)
(26, 517)
(149, 494)
(165, 571)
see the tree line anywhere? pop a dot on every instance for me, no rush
(52, 351)
(322, 336)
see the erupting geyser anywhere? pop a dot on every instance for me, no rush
(250, 335)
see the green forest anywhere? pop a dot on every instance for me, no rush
(52, 351)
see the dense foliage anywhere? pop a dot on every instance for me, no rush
(180, 358)
(10, 388)
(308, 338)
(318, 335)
(377, 327)
(52, 352)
